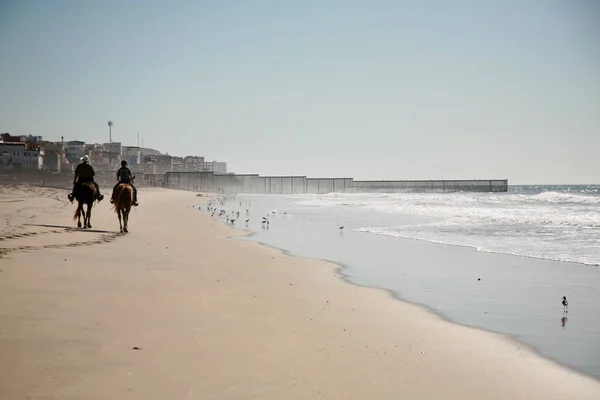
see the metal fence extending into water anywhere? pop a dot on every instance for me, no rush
(256, 184)
(253, 183)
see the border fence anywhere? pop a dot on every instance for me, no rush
(256, 184)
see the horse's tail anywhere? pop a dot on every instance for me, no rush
(117, 197)
(76, 215)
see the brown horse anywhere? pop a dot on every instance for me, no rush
(85, 193)
(123, 199)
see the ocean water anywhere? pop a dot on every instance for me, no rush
(550, 222)
(494, 261)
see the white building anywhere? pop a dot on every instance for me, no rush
(131, 154)
(13, 155)
(74, 150)
(113, 148)
(145, 151)
(33, 159)
(218, 167)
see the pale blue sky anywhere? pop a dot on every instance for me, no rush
(366, 89)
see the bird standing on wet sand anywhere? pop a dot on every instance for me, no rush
(565, 304)
(341, 228)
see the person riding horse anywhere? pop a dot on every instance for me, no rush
(124, 176)
(84, 173)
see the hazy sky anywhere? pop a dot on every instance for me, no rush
(364, 89)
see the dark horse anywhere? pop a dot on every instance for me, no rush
(123, 199)
(84, 194)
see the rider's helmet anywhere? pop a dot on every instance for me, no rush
(123, 163)
(85, 159)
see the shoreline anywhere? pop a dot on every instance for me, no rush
(194, 314)
(422, 273)
(338, 268)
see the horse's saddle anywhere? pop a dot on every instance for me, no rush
(79, 186)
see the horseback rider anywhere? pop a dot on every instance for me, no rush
(124, 176)
(84, 173)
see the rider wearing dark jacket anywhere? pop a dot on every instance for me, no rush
(124, 176)
(84, 173)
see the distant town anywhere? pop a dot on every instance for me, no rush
(30, 159)
(31, 152)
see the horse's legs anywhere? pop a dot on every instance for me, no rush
(125, 220)
(89, 215)
(120, 224)
(79, 211)
(84, 213)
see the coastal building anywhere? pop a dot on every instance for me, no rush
(114, 151)
(11, 155)
(178, 165)
(15, 156)
(132, 155)
(157, 164)
(193, 163)
(145, 151)
(74, 150)
(52, 161)
(218, 167)
(33, 159)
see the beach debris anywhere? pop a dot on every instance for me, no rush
(136, 348)
(478, 279)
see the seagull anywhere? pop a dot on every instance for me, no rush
(247, 220)
(340, 228)
(232, 221)
(565, 304)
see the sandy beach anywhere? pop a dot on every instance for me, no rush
(178, 310)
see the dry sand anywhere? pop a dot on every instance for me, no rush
(217, 318)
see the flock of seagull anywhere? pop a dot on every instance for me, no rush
(214, 207)
(235, 215)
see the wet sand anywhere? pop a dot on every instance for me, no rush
(177, 310)
(515, 296)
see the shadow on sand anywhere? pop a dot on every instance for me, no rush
(70, 228)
